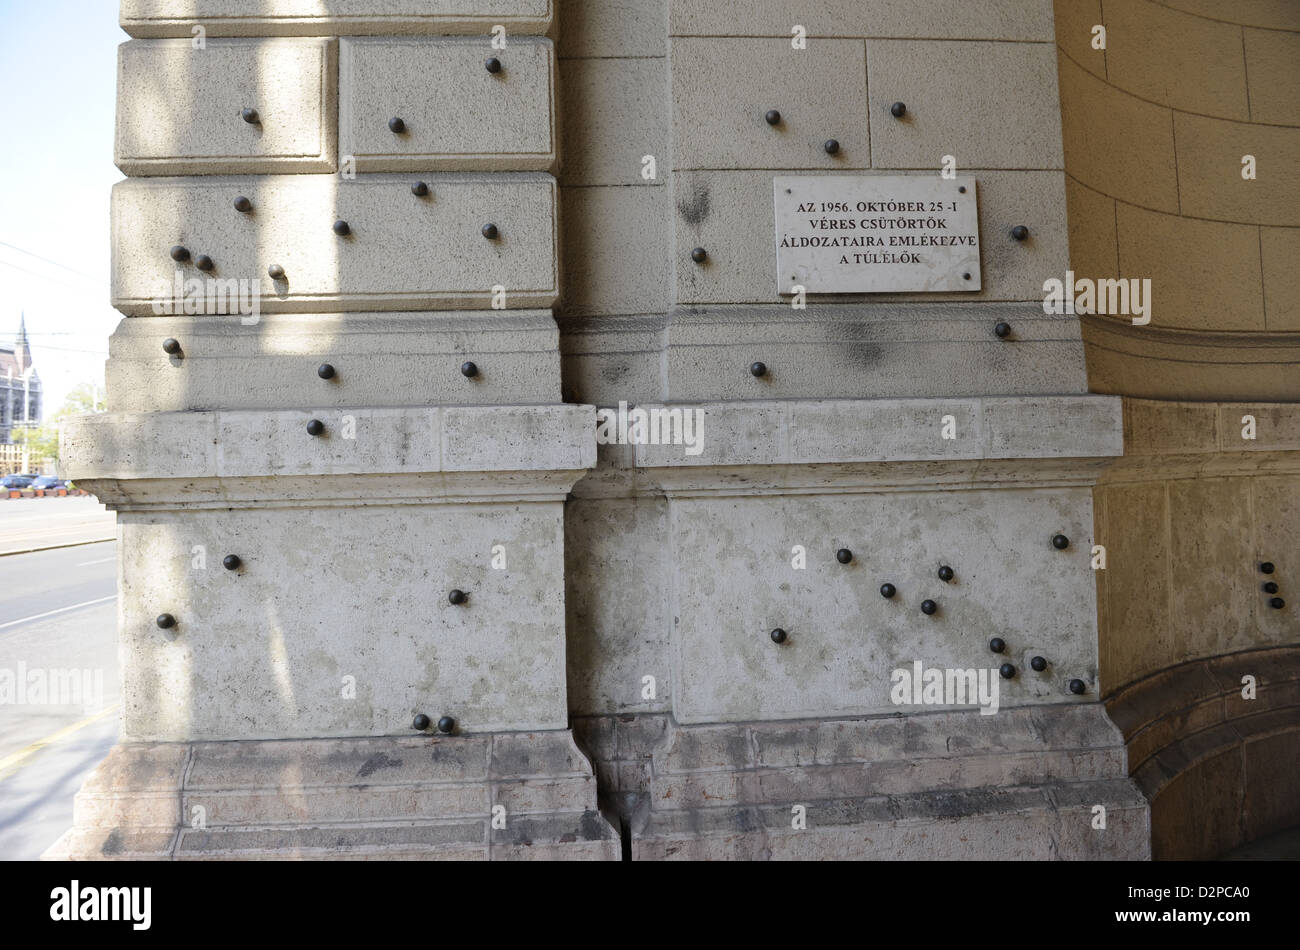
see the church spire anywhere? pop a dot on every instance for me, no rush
(22, 350)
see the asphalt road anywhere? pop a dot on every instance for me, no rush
(58, 626)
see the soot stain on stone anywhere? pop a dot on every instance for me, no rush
(695, 208)
(379, 760)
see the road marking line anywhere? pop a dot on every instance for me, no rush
(102, 560)
(15, 759)
(51, 613)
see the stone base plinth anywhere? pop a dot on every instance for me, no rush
(502, 796)
(1024, 784)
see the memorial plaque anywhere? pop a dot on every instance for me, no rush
(842, 234)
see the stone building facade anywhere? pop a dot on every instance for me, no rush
(399, 579)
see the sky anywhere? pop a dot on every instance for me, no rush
(58, 68)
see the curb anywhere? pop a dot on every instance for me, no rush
(55, 547)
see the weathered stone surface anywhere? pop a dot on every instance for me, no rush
(316, 17)
(418, 797)
(178, 109)
(402, 252)
(457, 115)
(378, 360)
(722, 125)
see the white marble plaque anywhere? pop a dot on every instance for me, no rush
(852, 234)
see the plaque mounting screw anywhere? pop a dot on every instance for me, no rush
(243, 205)
(844, 555)
(325, 371)
(1038, 664)
(773, 117)
(172, 346)
(341, 228)
(699, 255)
(275, 272)
(420, 189)
(758, 369)
(396, 126)
(928, 607)
(888, 590)
(965, 276)
(1002, 331)
(1060, 542)
(778, 635)
(468, 370)
(961, 189)
(997, 644)
(420, 722)
(1020, 232)
(457, 597)
(204, 263)
(231, 562)
(1266, 567)
(831, 146)
(446, 724)
(1277, 603)
(1270, 588)
(180, 254)
(490, 231)
(166, 621)
(945, 573)
(250, 116)
(898, 110)
(315, 427)
(1007, 670)
(1078, 687)
(492, 64)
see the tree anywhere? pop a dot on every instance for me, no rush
(41, 442)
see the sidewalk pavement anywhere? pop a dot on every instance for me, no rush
(36, 524)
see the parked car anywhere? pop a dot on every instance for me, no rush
(16, 481)
(48, 482)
